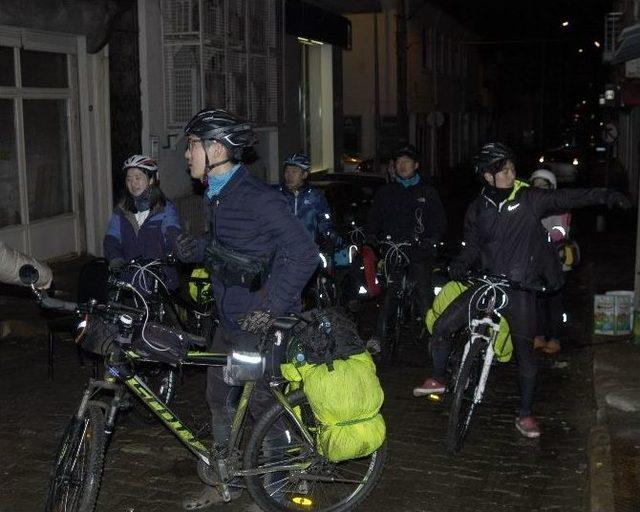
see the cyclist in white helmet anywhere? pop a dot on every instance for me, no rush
(144, 223)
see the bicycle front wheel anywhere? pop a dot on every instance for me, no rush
(462, 403)
(77, 470)
(322, 486)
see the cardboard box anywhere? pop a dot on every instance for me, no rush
(623, 311)
(604, 314)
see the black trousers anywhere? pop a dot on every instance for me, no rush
(520, 312)
(223, 398)
(550, 309)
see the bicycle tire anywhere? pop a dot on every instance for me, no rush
(273, 422)
(388, 340)
(78, 463)
(462, 406)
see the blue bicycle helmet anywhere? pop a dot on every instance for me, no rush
(300, 160)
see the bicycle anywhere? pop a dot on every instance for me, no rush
(469, 378)
(280, 463)
(398, 303)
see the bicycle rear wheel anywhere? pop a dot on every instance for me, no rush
(77, 471)
(323, 486)
(462, 404)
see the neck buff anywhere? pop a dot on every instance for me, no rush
(497, 195)
(142, 201)
(409, 181)
(216, 182)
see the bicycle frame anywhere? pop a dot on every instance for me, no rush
(115, 381)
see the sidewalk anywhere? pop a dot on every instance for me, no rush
(614, 444)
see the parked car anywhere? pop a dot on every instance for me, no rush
(349, 196)
(566, 162)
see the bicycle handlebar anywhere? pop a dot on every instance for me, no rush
(502, 280)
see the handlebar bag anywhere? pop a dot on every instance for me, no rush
(161, 343)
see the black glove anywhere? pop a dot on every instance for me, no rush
(116, 264)
(185, 247)
(457, 271)
(617, 199)
(257, 322)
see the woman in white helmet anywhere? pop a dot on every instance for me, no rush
(144, 224)
(550, 307)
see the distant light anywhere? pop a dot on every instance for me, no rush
(541, 159)
(575, 161)
(601, 101)
(601, 149)
(584, 102)
(565, 23)
(362, 290)
(597, 44)
(463, 243)
(610, 94)
(565, 318)
(580, 50)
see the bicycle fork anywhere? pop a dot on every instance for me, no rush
(493, 329)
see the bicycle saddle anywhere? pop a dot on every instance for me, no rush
(285, 322)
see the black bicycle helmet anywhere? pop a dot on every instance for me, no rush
(409, 151)
(491, 157)
(221, 126)
(300, 160)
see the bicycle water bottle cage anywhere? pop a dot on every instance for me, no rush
(233, 268)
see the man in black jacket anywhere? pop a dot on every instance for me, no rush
(503, 235)
(409, 210)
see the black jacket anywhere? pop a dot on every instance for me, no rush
(509, 238)
(406, 214)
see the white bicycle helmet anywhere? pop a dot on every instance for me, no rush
(145, 163)
(545, 174)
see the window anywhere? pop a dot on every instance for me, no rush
(224, 54)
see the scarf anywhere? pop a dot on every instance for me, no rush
(216, 182)
(414, 180)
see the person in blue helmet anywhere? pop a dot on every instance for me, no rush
(144, 224)
(307, 203)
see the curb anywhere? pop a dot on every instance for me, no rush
(600, 468)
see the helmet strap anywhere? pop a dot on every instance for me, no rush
(209, 166)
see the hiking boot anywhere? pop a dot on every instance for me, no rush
(208, 497)
(539, 342)
(528, 427)
(552, 347)
(428, 387)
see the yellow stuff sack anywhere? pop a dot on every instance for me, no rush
(346, 402)
(503, 346)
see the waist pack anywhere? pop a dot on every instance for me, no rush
(503, 345)
(342, 387)
(233, 268)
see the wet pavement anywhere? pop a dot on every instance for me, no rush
(148, 470)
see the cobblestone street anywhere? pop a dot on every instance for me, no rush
(148, 470)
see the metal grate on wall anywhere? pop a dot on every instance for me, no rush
(223, 54)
